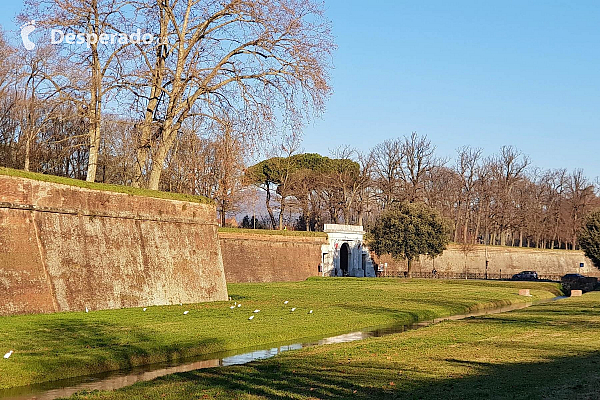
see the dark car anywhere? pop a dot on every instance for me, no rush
(525, 276)
(578, 282)
(572, 276)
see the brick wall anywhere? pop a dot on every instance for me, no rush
(64, 248)
(269, 258)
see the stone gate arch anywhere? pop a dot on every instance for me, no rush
(345, 254)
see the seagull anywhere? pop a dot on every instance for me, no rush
(294, 309)
(285, 302)
(251, 317)
(235, 303)
(185, 312)
(255, 311)
(8, 354)
(86, 310)
(232, 307)
(310, 312)
(180, 304)
(239, 305)
(144, 309)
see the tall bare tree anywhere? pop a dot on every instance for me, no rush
(418, 161)
(247, 60)
(90, 69)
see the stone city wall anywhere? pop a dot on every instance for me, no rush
(249, 257)
(501, 260)
(64, 248)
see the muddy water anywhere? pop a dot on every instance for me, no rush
(118, 379)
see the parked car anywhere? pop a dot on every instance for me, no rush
(571, 276)
(525, 276)
(578, 282)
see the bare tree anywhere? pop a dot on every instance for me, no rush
(347, 177)
(467, 167)
(90, 70)
(387, 171)
(507, 169)
(580, 194)
(247, 60)
(37, 99)
(418, 161)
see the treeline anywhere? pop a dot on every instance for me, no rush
(501, 199)
(175, 112)
(185, 113)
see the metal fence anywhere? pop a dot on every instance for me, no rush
(459, 275)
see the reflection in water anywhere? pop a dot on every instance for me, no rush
(118, 379)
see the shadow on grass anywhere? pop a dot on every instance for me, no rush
(567, 371)
(560, 378)
(94, 347)
(393, 314)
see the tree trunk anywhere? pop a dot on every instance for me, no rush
(144, 145)
(158, 160)
(466, 228)
(95, 109)
(456, 229)
(222, 214)
(521, 237)
(477, 226)
(94, 133)
(269, 209)
(281, 215)
(27, 153)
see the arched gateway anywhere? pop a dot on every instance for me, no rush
(345, 253)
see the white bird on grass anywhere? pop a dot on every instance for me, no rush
(144, 309)
(293, 309)
(285, 302)
(255, 311)
(232, 307)
(239, 305)
(251, 317)
(7, 355)
(185, 312)
(310, 312)
(86, 310)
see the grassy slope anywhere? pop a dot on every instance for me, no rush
(549, 351)
(105, 187)
(61, 345)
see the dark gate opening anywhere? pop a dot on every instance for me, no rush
(344, 255)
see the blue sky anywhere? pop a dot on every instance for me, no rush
(482, 73)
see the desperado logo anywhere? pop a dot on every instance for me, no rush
(25, 32)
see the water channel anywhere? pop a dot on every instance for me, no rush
(117, 379)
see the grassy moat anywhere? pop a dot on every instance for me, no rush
(54, 346)
(547, 351)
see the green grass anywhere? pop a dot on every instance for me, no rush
(54, 346)
(547, 351)
(105, 187)
(273, 232)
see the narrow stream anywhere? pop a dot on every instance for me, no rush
(117, 379)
